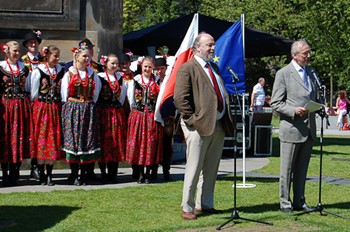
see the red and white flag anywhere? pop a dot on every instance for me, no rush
(182, 55)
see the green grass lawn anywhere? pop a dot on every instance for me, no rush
(157, 207)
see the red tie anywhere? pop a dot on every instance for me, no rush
(216, 88)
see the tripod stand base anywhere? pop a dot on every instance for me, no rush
(235, 216)
(245, 185)
(319, 208)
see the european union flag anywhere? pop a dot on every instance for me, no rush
(229, 52)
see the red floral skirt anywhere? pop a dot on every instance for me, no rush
(144, 139)
(17, 130)
(113, 134)
(47, 130)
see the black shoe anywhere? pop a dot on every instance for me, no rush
(304, 208)
(141, 180)
(167, 177)
(70, 179)
(50, 182)
(77, 182)
(286, 210)
(34, 173)
(91, 176)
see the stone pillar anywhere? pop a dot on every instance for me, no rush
(104, 24)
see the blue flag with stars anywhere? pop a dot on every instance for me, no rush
(229, 53)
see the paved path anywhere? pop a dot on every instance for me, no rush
(177, 173)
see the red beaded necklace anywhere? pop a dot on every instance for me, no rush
(149, 82)
(14, 73)
(54, 76)
(114, 86)
(86, 80)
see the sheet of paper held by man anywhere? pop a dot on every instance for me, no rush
(313, 106)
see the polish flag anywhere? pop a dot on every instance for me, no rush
(182, 55)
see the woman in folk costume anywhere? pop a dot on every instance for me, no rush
(144, 135)
(80, 89)
(112, 118)
(16, 117)
(45, 93)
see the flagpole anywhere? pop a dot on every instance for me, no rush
(244, 185)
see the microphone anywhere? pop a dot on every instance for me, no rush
(316, 78)
(232, 73)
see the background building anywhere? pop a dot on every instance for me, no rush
(64, 23)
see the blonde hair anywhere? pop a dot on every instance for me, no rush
(148, 58)
(77, 51)
(10, 44)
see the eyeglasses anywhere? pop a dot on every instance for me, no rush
(305, 53)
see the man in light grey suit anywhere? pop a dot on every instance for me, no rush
(294, 86)
(203, 103)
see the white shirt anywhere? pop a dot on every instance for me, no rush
(300, 71)
(66, 79)
(259, 97)
(35, 79)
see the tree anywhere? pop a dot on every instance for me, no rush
(322, 23)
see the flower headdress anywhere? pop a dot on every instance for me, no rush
(103, 60)
(44, 51)
(38, 33)
(163, 51)
(129, 53)
(139, 60)
(75, 50)
(4, 48)
(83, 46)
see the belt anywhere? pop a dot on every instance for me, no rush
(79, 99)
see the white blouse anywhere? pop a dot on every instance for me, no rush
(66, 79)
(35, 78)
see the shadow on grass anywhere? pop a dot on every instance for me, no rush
(271, 179)
(33, 218)
(327, 141)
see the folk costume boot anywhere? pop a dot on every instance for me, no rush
(166, 175)
(49, 169)
(147, 174)
(135, 171)
(34, 170)
(102, 166)
(18, 168)
(154, 172)
(42, 176)
(141, 179)
(74, 167)
(13, 174)
(90, 170)
(84, 168)
(5, 176)
(112, 171)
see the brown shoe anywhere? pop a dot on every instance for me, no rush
(188, 215)
(208, 211)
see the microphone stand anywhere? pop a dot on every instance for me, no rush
(235, 214)
(319, 208)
